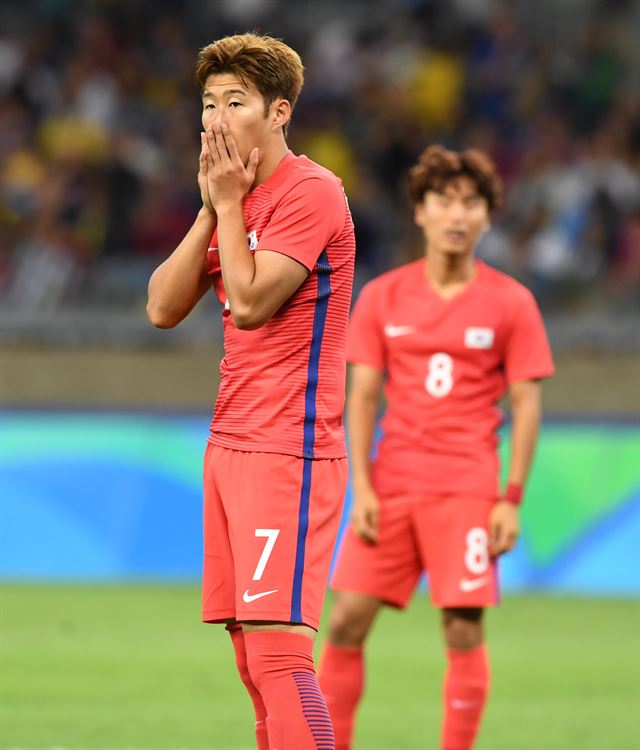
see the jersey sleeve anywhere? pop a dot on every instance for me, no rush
(365, 339)
(310, 214)
(528, 354)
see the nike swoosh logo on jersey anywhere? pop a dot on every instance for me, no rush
(393, 331)
(471, 584)
(212, 249)
(248, 598)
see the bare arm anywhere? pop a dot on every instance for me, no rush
(177, 285)
(525, 398)
(362, 408)
(257, 285)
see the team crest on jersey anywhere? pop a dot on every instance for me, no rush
(478, 338)
(252, 239)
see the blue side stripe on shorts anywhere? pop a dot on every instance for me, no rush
(309, 430)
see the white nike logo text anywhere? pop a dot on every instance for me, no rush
(393, 331)
(471, 584)
(247, 597)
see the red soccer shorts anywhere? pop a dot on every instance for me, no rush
(270, 526)
(444, 535)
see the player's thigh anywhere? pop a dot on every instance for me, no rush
(352, 616)
(283, 515)
(388, 570)
(218, 578)
(454, 541)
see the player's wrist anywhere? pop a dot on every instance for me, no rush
(228, 206)
(207, 213)
(513, 493)
(362, 482)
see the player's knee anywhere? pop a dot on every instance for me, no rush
(463, 627)
(351, 620)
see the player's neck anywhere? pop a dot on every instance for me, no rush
(450, 274)
(270, 157)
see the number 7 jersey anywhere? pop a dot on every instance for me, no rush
(447, 363)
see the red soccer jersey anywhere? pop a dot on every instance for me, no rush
(447, 364)
(282, 385)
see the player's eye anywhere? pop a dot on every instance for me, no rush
(208, 106)
(235, 104)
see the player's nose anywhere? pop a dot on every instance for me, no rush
(458, 210)
(218, 116)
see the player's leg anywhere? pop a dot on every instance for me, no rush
(462, 577)
(239, 646)
(284, 517)
(341, 668)
(218, 585)
(280, 661)
(467, 677)
(365, 577)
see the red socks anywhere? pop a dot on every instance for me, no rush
(341, 677)
(465, 690)
(281, 668)
(237, 636)
(291, 714)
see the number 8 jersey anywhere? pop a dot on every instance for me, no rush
(447, 363)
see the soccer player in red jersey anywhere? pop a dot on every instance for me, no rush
(275, 239)
(445, 337)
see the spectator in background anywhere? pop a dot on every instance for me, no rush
(95, 102)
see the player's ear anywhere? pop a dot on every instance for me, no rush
(280, 113)
(418, 214)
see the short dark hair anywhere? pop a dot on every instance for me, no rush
(438, 166)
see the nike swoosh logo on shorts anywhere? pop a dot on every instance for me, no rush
(393, 331)
(248, 598)
(471, 584)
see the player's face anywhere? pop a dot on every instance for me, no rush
(453, 221)
(227, 99)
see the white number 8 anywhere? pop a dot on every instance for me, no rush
(439, 381)
(477, 555)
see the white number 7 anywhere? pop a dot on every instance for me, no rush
(272, 535)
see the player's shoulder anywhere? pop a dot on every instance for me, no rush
(310, 177)
(397, 277)
(508, 289)
(394, 281)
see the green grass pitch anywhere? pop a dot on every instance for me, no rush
(106, 667)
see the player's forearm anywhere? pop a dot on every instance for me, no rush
(361, 419)
(526, 415)
(177, 284)
(238, 265)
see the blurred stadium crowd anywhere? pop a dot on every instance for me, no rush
(99, 134)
